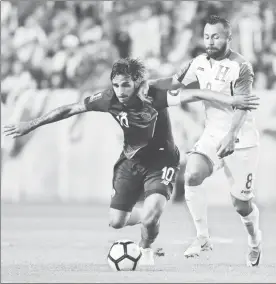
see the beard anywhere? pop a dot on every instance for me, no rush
(215, 52)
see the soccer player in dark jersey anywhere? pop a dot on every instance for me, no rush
(150, 159)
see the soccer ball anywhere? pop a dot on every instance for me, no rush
(124, 255)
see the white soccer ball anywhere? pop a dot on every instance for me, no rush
(124, 255)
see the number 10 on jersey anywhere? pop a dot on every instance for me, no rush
(167, 176)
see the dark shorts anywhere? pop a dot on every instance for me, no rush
(133, 179)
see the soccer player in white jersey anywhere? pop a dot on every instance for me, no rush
(229, 140)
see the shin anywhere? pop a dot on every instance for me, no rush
(153, 208)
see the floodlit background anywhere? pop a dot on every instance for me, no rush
(56, 180)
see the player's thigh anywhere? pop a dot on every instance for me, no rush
(240, 169)
(202, 159)
(127, 185)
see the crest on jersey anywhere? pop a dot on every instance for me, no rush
(145, 115)
(222, 72)
(122, 117)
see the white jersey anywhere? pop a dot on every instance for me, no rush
(232, 75)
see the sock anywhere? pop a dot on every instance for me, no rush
(251, 223)
(135, 217)
(149, 234)
(197, 203)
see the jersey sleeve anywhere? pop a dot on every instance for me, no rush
(159, 98)
(243, 85)
(187, 75)
(165, 98)
(99, 101)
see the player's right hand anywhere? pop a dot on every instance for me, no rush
(247, 102)
(16, 130)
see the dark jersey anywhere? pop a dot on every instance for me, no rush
(146, 127)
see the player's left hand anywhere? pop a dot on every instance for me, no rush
(247, 102)
(17, 130)
(227, 146)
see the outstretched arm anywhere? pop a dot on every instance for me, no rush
(238, 101)
(190, 95)
(60, 113)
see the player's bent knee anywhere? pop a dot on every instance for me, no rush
(243, 208)
(198, 168)
(117, 224)
(193, 178)
(118, 218)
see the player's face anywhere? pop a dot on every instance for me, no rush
(123, 87)
(216, 40)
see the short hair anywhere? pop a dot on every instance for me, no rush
(129, 67)
(214, 19)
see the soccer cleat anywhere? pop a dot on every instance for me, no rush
(199, 244)
(147, 258)
(254, 253)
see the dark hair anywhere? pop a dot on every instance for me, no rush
(136, 70)
(214, 19)
(129, 67)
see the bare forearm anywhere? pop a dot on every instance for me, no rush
(52, 116)
(191, 95)
(212, 96)
(242, 102)
(237, 121)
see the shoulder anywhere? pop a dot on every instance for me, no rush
(194, 61)
(200, 58)
(237, 57)
(99, 101)
(106, 94)
(190, 66)
(245, 67)
(240, 60)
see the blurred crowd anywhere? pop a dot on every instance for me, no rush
(48, 44)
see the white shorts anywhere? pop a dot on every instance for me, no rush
(240, 167)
